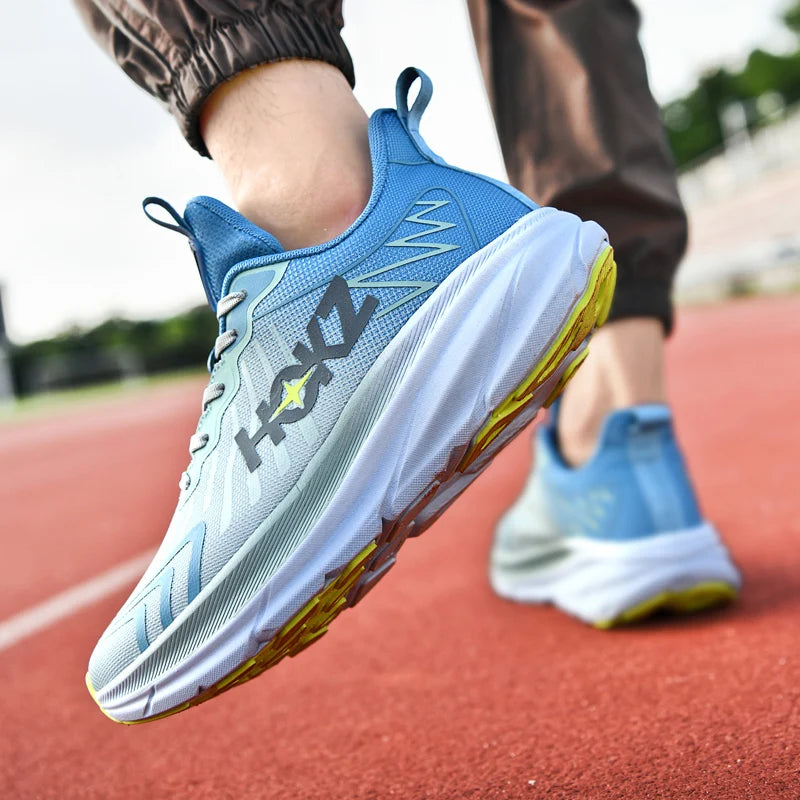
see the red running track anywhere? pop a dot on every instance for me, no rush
(433, 687)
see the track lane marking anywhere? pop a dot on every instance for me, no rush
(64, 604)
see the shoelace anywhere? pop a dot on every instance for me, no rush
(214, 390)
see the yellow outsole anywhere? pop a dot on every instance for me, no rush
(700, 597)
(350, 585)
(299, 632)
(590, 311)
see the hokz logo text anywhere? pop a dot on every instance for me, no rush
(285, 403)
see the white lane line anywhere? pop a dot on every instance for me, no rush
(64, 604)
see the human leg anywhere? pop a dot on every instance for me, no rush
(580, 131)
(265, 89)
(291, 140)
(607, 526)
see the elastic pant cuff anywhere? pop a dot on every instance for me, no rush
(643, 300)
(253, 38)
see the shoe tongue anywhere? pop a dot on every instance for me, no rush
(223, 238)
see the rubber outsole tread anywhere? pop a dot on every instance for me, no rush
(360, 574)
(700, 597)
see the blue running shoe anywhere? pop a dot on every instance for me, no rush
(356, 389)
(618, 538)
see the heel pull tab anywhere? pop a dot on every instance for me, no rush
(181, 226)
(405, 81)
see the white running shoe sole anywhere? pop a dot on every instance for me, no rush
(613, 583)
(495, 341)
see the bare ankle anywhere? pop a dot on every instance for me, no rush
(292, 144)
(625, 368)
(310, 211)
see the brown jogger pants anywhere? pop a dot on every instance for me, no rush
(577, 124)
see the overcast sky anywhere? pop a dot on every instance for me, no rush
(81, 145)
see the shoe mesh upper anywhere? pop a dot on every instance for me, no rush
(416, 204)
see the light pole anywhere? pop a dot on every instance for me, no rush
(6, 381)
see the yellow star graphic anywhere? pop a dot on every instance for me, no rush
(292, 394)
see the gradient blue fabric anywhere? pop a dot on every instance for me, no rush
(635, 484)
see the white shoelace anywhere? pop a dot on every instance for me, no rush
(215, 390)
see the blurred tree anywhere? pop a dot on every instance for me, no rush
(792, 17)
(693, 122)
(104, 352)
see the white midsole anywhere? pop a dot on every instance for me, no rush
(459, 356)
(598, 580)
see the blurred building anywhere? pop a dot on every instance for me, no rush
(744, 212)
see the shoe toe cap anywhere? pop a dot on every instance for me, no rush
(117, 648)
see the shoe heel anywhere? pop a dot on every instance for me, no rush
(590, 312)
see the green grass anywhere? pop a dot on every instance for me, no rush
(49, 402)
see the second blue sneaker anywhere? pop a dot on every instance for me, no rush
(356, 389)
(618, 538)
